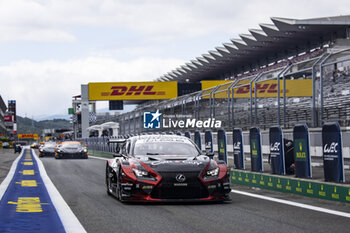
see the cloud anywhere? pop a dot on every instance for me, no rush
(157, 19)
(47, 87)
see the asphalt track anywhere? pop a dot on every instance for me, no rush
(81, 184)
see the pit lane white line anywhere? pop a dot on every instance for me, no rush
(5, 183)
(296, 204)
(69, 220)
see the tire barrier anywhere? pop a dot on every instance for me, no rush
(222, 145)
(302, 156)
(333, 161)
(277, 151)
(198, 140)
(208, 141)
(238, 153)
(255, 150)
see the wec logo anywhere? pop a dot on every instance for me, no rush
(332, 148)
(275, 147)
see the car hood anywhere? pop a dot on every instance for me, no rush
(71, 149)
(176, 163)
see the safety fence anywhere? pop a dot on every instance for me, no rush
(311, 92)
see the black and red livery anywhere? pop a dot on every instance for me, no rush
(165, 168)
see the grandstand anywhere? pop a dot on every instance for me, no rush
(289, 49)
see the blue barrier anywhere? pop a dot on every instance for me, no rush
(277, 151)
(255, 149)
(222, 145)
(333, 161)
(302, 151)
(198, 140)
(208, 140)
(188, 134)
(238, 153)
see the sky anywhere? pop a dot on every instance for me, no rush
(48, 48)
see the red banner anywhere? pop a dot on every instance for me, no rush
(8, 118)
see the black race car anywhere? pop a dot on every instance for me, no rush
(71, 150)
(165, 168)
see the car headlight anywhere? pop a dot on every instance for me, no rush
(140, 173)
(84, 150)
(212, 173)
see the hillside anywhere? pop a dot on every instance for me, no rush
(27, 125)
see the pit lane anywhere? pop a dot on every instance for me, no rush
(81, 184)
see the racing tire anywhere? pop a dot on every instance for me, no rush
(108, 181)
(119, 189)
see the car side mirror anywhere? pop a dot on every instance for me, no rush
(210, 153)
(119, 155)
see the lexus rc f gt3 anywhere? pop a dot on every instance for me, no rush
(165, 168)
(47, 149)
(71, 150)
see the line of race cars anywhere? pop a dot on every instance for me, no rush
(66, 149)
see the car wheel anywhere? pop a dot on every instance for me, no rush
(108, 181)
(119, 186)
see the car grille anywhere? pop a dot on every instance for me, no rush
(167, 190)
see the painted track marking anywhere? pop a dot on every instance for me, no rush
(296, 204)
(68, 219)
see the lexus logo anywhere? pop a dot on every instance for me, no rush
(180, 177)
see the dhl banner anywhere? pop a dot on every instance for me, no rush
(27, 136)
(133, 90)
(265, 89)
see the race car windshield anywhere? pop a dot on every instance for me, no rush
(49, 144)
(165, 148)
(71, 145)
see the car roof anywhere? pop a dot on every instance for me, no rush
(71, 142)
(161, 138)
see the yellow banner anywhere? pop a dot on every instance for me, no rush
(265, 89)
(27, 136)
(133, 90)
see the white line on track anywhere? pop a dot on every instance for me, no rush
(68, 219)
(296, 204)
(5, 183)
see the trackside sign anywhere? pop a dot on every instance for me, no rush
(28, 136)
(132, 90)
(266, 89)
